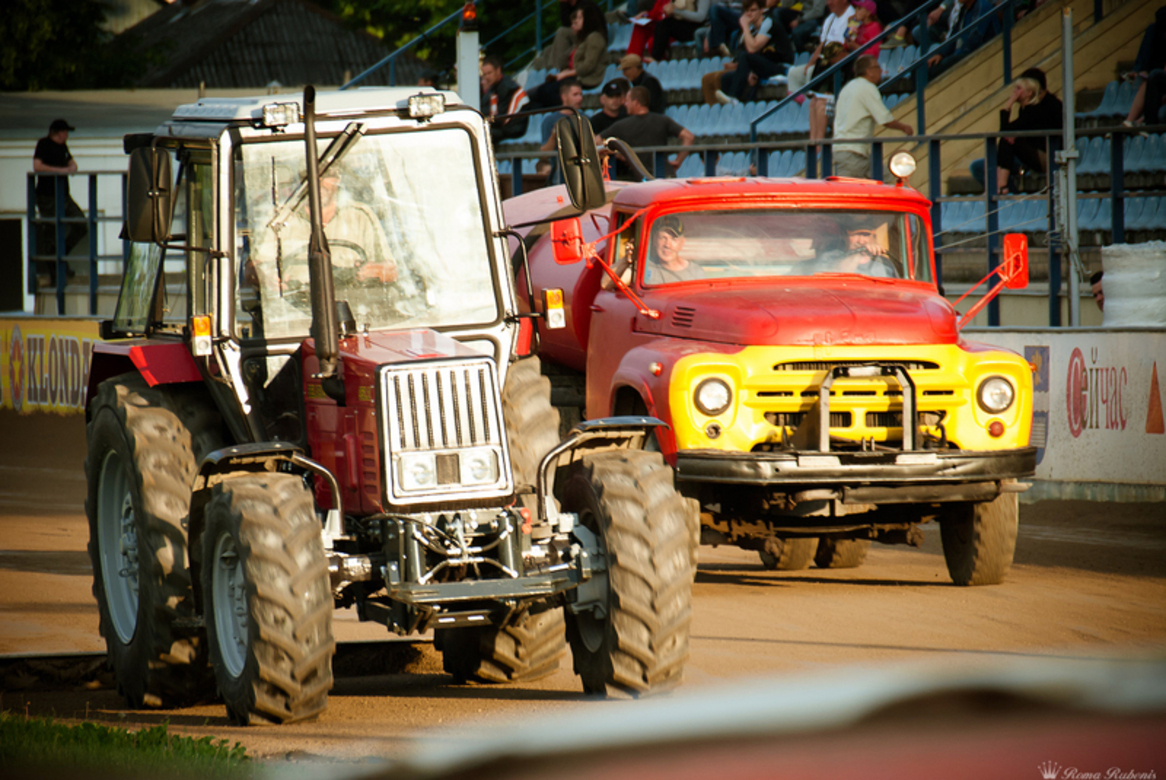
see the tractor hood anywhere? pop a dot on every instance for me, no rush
(843, 311)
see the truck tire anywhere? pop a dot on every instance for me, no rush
(627, 498)
(788, 554)
(979, 540)
(143, 449)
(529, 648)
(841, 553)
(268, 599)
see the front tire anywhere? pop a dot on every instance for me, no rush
(636, 640)
(268, 599)
(144, 447)
(979, 540)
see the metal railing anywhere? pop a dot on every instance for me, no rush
(60, 223)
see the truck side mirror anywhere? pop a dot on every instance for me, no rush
(567, 240)
(149, 196)
(1015, 263)
(579, 162)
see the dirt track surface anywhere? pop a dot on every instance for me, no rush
(1089, 583)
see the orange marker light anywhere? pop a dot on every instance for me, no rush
(556, 317)
(996, 429)
(200, 331)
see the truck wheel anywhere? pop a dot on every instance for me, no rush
(841, 553)
(268, 599)
(788, 554)
(527, 649)
(636, 641)
(979, 540)
(143, 451)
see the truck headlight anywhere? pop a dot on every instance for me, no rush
(995, 395)
(479, 467)
(713, 396)
(417, 470)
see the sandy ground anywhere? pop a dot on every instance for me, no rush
(1089, 585)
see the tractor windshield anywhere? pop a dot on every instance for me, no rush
(404, 222)
(762, 243)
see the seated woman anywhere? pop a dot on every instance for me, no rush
(1039, 110)
(586, 63)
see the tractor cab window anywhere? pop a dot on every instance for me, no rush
(759, 243)
(404, 224)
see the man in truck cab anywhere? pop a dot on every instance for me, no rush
(666, 263)
(858, 248)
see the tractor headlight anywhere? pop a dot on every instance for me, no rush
(479, 467)
(995, 394)
(417, 470)
(281, 114)
(713, 396)
(426, 105)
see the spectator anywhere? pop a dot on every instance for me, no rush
(804, 30)
(586, 62)
(571, 97)
(965, 15)
(824, 56)
(52, 156)
(680, 22)
(860, 107)
(428, 78)
(1039, 110)
(765, 52)
(936, 23)
(564, 41)
(643, 127)
(864, 26)
(836, 23)
(611, 99)
(502, 96)
(1095, 287)
(633, 70)
(1150, 67)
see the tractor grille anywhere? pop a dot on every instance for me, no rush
(443, 431)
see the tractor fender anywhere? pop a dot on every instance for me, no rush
(160, 362)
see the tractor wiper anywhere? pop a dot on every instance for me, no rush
(336, 150)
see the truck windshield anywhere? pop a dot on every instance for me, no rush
(755, 243)
(404, 222)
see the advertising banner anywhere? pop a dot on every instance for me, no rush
(1098, 397)
(44, 363)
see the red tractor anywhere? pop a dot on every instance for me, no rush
(817, 392)
(317, 393)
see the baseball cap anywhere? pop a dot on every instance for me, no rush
(614, 89)
(630, 61)
(869, 5)
(60, 124)
(672, 224)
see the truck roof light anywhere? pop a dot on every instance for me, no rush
(902, 165)
(425, 106)
(280, 114)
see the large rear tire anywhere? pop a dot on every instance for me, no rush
(781, 554)
(144, 446)
(527, 649)
(637, 640)
(979, 540)
(841, 553)
(268, 599)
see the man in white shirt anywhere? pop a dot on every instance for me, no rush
(835, 23)
(859, 109)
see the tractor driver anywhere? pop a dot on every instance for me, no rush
(667, 263)
(355, 238)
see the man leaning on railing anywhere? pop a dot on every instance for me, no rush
(52, 156)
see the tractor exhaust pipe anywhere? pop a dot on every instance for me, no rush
(325, 329)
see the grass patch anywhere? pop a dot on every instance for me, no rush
(42, 744)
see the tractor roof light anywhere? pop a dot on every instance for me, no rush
(425, 106)
(469, 22)
(281, 114)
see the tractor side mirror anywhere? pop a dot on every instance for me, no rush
(579, 162)
(149, 196)
(567, 240)
(1015, 262)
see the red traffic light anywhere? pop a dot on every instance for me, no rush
(469, 17)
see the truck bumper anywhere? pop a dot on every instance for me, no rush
(858, 477)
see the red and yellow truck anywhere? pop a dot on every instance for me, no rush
(791, 333)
